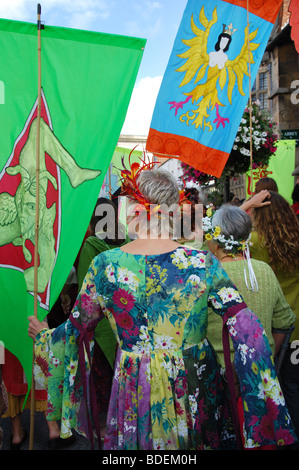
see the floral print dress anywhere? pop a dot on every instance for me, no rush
(168, 390)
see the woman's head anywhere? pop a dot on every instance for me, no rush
(229, 233)
(156, 197)
(223, 42)
(158, 187)
(234, 224)
(278, 230)
(266, 183)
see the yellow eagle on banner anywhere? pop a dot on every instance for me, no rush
(219, 69)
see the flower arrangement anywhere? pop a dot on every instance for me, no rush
(191, 175)
(264, 138)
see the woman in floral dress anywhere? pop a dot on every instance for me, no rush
(168, 391)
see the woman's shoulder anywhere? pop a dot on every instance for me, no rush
(108, 255)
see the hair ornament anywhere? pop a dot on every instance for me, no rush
(130, 187)
(214, 234)
(230, 244)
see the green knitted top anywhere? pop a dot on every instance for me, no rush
(268, 303)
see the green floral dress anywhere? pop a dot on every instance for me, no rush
(168, 391)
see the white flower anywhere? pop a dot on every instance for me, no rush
(141, 347)
(182, 428)
(171, 372)
(232, 321)
(144, 333)
(158, 443)
(129, 428)
(200, 370)
(55, 361)
(269, 387)
(194, 280)
(193, 404)
(206, 224)
(179, 259)
(277, 395)
(215, 303)
(243, 349)
(250, 443)
(109, 272)
(164, 342)
(197, 261)
(127, 277)
(221, 238)
(267, 380)
(227, 294)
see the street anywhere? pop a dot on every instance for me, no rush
(40, 434)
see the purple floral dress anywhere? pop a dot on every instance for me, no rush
(168, 389)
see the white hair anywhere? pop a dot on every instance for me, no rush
(161, 190)
(159, 187)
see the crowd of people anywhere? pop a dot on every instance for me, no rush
(172, 343)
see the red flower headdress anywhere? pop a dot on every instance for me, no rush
(130, 187)
(129, 183)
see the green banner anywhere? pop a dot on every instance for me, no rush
(280, 168)
(87, 79)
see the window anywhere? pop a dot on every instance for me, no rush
(263, 82)
(263, 100)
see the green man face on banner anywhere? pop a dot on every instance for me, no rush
(18, 212)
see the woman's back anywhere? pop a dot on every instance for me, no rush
(156, 305)
(160, 293)
(268, 303)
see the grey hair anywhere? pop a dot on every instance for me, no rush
(159, 187)
(233, 222)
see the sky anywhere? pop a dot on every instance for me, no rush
(155, 20)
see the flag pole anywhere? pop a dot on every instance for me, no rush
(32, 407)
(250, 100)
